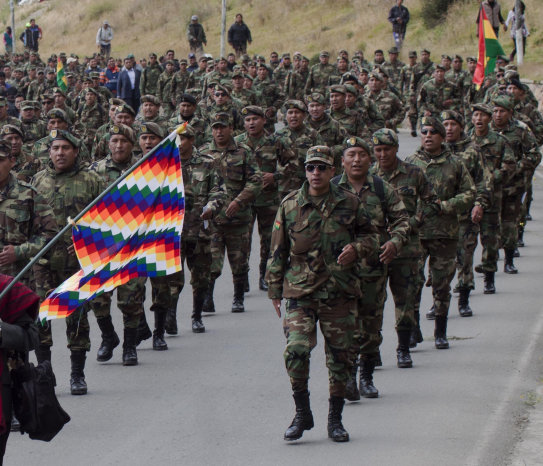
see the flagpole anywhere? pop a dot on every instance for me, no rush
(60, 234)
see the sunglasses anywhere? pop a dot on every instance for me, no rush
(311, 168)
(426, 131)
(221, 94)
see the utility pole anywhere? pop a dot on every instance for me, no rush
(223, 27)
(12, 9)
(519, 39)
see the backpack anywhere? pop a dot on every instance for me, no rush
(35, 403)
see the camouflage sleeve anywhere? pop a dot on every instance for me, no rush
(531, 156)
(376, 117)
(253, 183)
(399, 112)
(422, 103)
(287, 165)
(279, 97)
(366, 237)
(465, 195)
(481, 177)
(509, 163)
(398, 218)
(308, 83)
(428, 205)
(277, 263)
(217, 190)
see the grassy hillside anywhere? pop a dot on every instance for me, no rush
(142, 26)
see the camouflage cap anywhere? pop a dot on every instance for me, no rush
(253, 110)
(222, 119)
(237, 74)
(434, 123)
(338, 88)
(183, 61)
(152, 128)
(482, 108)
(377, 76)
(295, 104)
(412, 54)
(37, 104)
(31, 67)
(12, 129)
(503, 58)
(324, 53)
(385, 137)
(57, 113)
(169, 62)
(320, 154)
(446, 57)
(285, 55)
(393, 50)
(459, 58)
(115, 101)
(351, 89)
(40, 71)
(425, 51)
(94, 75)
(440, 67)
(515, 82)
(93, 91)
(123, 130)
(5, 148)
(63, 135)
(125, 108)
(58, 90)
(27, 105)
(3, 101)
(349, 76)
(187, 98)
(354, 141)
(504, 101)
(316, 97)
(189, 132)
(452, 115)
(151, 99)
(511, 67)
(223, 88)
(153, 54)
(511, 74)
(471, 60)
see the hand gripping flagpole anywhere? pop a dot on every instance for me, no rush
(72, 222)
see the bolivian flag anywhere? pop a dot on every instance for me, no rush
(489, 49)
(62, 82)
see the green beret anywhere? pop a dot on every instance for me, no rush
(63, 135)
(187, 98)
(354, 141)
(482, 108)
(393, 50)
(425, 51)
(3, 101)
(5, 148)
(12, 129)
(124, 130)
(297, 104)
(116, 101)
(150, 98)
(27, 105)
(320, 154)
(183, 61)
(189, 132)
(237, 74)
(338, 88)
(223, 88)
(452, 115)
(152, 128)
(58, 90)
(316, 97)
(385, 137)
(93, 90)
(125, 108)
(412, 54)
(253, 110)
(503, 101)
(351, 89)
(459, 58)
(57, 113)
(222, 119)
(434, 123)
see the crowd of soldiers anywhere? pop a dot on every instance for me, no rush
(338, 213)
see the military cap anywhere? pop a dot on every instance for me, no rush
(324, 53)
(34, 53)
(183, 61)
(338, 88)
(169, 62)
(187, 98)
(48, 96)
(69, 75)
(94, 91)
(253, 110)
(94, 75)
(393, 50)
(130, 56)
(364, 70)
(482, 108)
(440, 67)
(511, 74)
(511, 67)
(471, 60)
(459, 58)
(351, 89)
(124, 130)
(52, 71)
(5, 148)
(116, 101)
(503, 57)
(3, 101)
(62, 134)
(425, 51)
(452, 115)
(153, 54)
(377, 76)
(263, 65)
(285, 55)
(434, 123)
(27, 105)
(304, 58)
(125, 108)
(503, 101)
(515, 82)
(40, 71)
(57, 113)
(446, 57)
(202, 58)
(319, 154)
(385, 137)
(223, 88)
(354, 141)
(152, 128)
(62, 54)
(381, 71)
(412, 54)
(58, 90)
(237, 74)
(248, 76)
(86, 79)
(378, 51)
(222, 119)
(150, 98)
(245, 57)
(31, 67)
(316, 97)
(297, 104)
(189, 132)
(12, 129)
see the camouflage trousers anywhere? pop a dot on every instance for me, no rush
(236, 239)
(467, 242)
(412, 114)
(441, 254)
(403, 282)
(337, 319)
(511, 209)
(130, 298)
(264, 216)
(166, 290)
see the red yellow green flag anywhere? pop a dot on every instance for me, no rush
(489, 49)
(62, 82)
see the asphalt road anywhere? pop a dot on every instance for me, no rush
(223, 397)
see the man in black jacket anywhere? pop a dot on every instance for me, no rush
(399, 17)
(238, 36)
(196, 36)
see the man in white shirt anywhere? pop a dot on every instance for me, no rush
(104, 36)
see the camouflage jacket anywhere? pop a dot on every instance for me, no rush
(435, 98)
(89, 120)
(149, 80)
(204, 187)
(35, 90)
(295, 84)
(108, 170)
(11, 121)
(292, 149)
(351, 120)
(280, 73)
(388, 215)
(33, 130)
(454, 188)
(371, 116)
(26, 166)
(332, 134)
(164, 88)
(394, 71)
(462, 80)
(242, 179)
(307, 240)
(268, 93)
(418, 196)
(265, 152)
(216, 77)
(318, 78)
(245, 96)
(390, 107)
(40, 152)
(421, 73)
(405, 81)
(200, 127)
(533, 118)
(198, 78)
(180, 82)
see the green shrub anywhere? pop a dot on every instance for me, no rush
(435, 11)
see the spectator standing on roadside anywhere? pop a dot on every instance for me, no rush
(196, 36)
(493, 12)
(8, 40)
(104, 36)
(511, 22)
(238, 36)
(399, 17)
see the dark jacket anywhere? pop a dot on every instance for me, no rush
(399, 12)
(125, 91)
(239, 34)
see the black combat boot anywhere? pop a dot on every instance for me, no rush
(479, 268)
(198, 296)
(246, 288)
(520, 242)
(367, 389)
(130, 355)
(239, 286)
(351, 389)
(209, 305)
(110, 339)
(303, 420)
(509, 267)
(490, 288)
(78, 386)
(15, 424)
(413, 128)
(463, 303)
(43, 353)
(402, 352)
(516, 252)
(431, 314)
(416, 333)
(170, 325)
(262, 284)
(336, 431)
(143, 332)
(440, 333)
(158, 334)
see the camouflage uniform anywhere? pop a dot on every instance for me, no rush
(164, 93)
(420, 74)
(295, 84)
(351, 120)
(200, 128)
(269, 94)
(318, 78)
(404, 86)
(149, 79)
(390, 107)
(88, 122)
(394, 71)
(33, 130)
(180, 82)
(432, 96)
(462, 80)
(332, 134)
(280, 74)
(372, 119)
(245, 97)
(303, 269)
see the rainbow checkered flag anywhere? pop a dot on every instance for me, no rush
(62, 81)
(134, 230)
